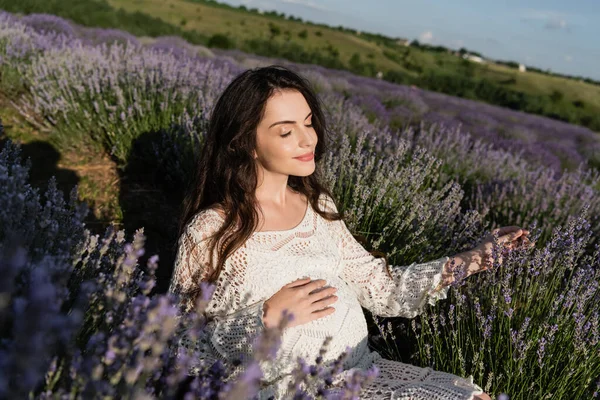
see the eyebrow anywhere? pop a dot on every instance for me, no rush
(287, 122)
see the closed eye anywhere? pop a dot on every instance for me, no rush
(290, 132)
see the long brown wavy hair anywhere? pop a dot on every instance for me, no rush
(226, 177)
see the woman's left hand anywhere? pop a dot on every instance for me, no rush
(481, 258)
(509, 237)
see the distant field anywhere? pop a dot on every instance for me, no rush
(535, 83)
(240, 25)
(284, 37)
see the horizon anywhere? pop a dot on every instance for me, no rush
(535, 33)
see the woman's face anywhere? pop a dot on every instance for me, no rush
(284, 133)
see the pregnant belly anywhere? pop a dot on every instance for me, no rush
(346, 326)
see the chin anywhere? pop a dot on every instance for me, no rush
(303, 171)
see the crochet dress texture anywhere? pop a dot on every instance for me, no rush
(318, 249)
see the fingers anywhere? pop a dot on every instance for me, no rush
(309, 287)
(514, 229)
(510, 243)
(324, 302)
(511, 235)
(524, 242)
(323, 292)
(512, 238)
(506, 229)
(323, 313)
(297, 282)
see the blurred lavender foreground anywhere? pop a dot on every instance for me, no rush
(419, 174)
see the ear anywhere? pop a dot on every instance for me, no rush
(254, 154)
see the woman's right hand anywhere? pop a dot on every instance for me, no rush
(303, 298)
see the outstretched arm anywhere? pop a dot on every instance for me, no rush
(403, 292)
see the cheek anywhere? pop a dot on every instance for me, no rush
(281, 148)
(287, 149)
(278, 152)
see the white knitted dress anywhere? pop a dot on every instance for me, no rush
(318, 249)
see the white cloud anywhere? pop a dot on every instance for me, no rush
(540, 14)
(556, 24)
(426, 37)
(552, 20)
(457, 43)
(568, 58)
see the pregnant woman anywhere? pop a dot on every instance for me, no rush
(260, 226)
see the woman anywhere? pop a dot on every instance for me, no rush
(259, 224)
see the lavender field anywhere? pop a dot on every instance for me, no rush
(420, 174)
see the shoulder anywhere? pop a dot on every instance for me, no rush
(218, 210)
(204, 223)
(327, 203)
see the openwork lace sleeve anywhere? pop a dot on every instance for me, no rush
(402, 293)
(227, 336)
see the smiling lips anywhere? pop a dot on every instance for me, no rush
(306, 157)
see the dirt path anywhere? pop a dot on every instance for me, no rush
(94, 172)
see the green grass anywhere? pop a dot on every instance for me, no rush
(99, 13)
(241, 25)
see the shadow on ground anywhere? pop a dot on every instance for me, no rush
(150, 199)
(44, 160)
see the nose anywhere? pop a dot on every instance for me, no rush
(309, 137)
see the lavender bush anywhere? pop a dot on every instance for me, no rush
(535, 197)
(127, 91)
(507, 189)
(395, 193)
(528, 327)
(175, 45)
(97, 36)
(43, 225)
(112, 94)
(19, 43)
(54, 25)
(502, 187)
(45, 23)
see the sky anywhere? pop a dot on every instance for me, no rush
(548, 34)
